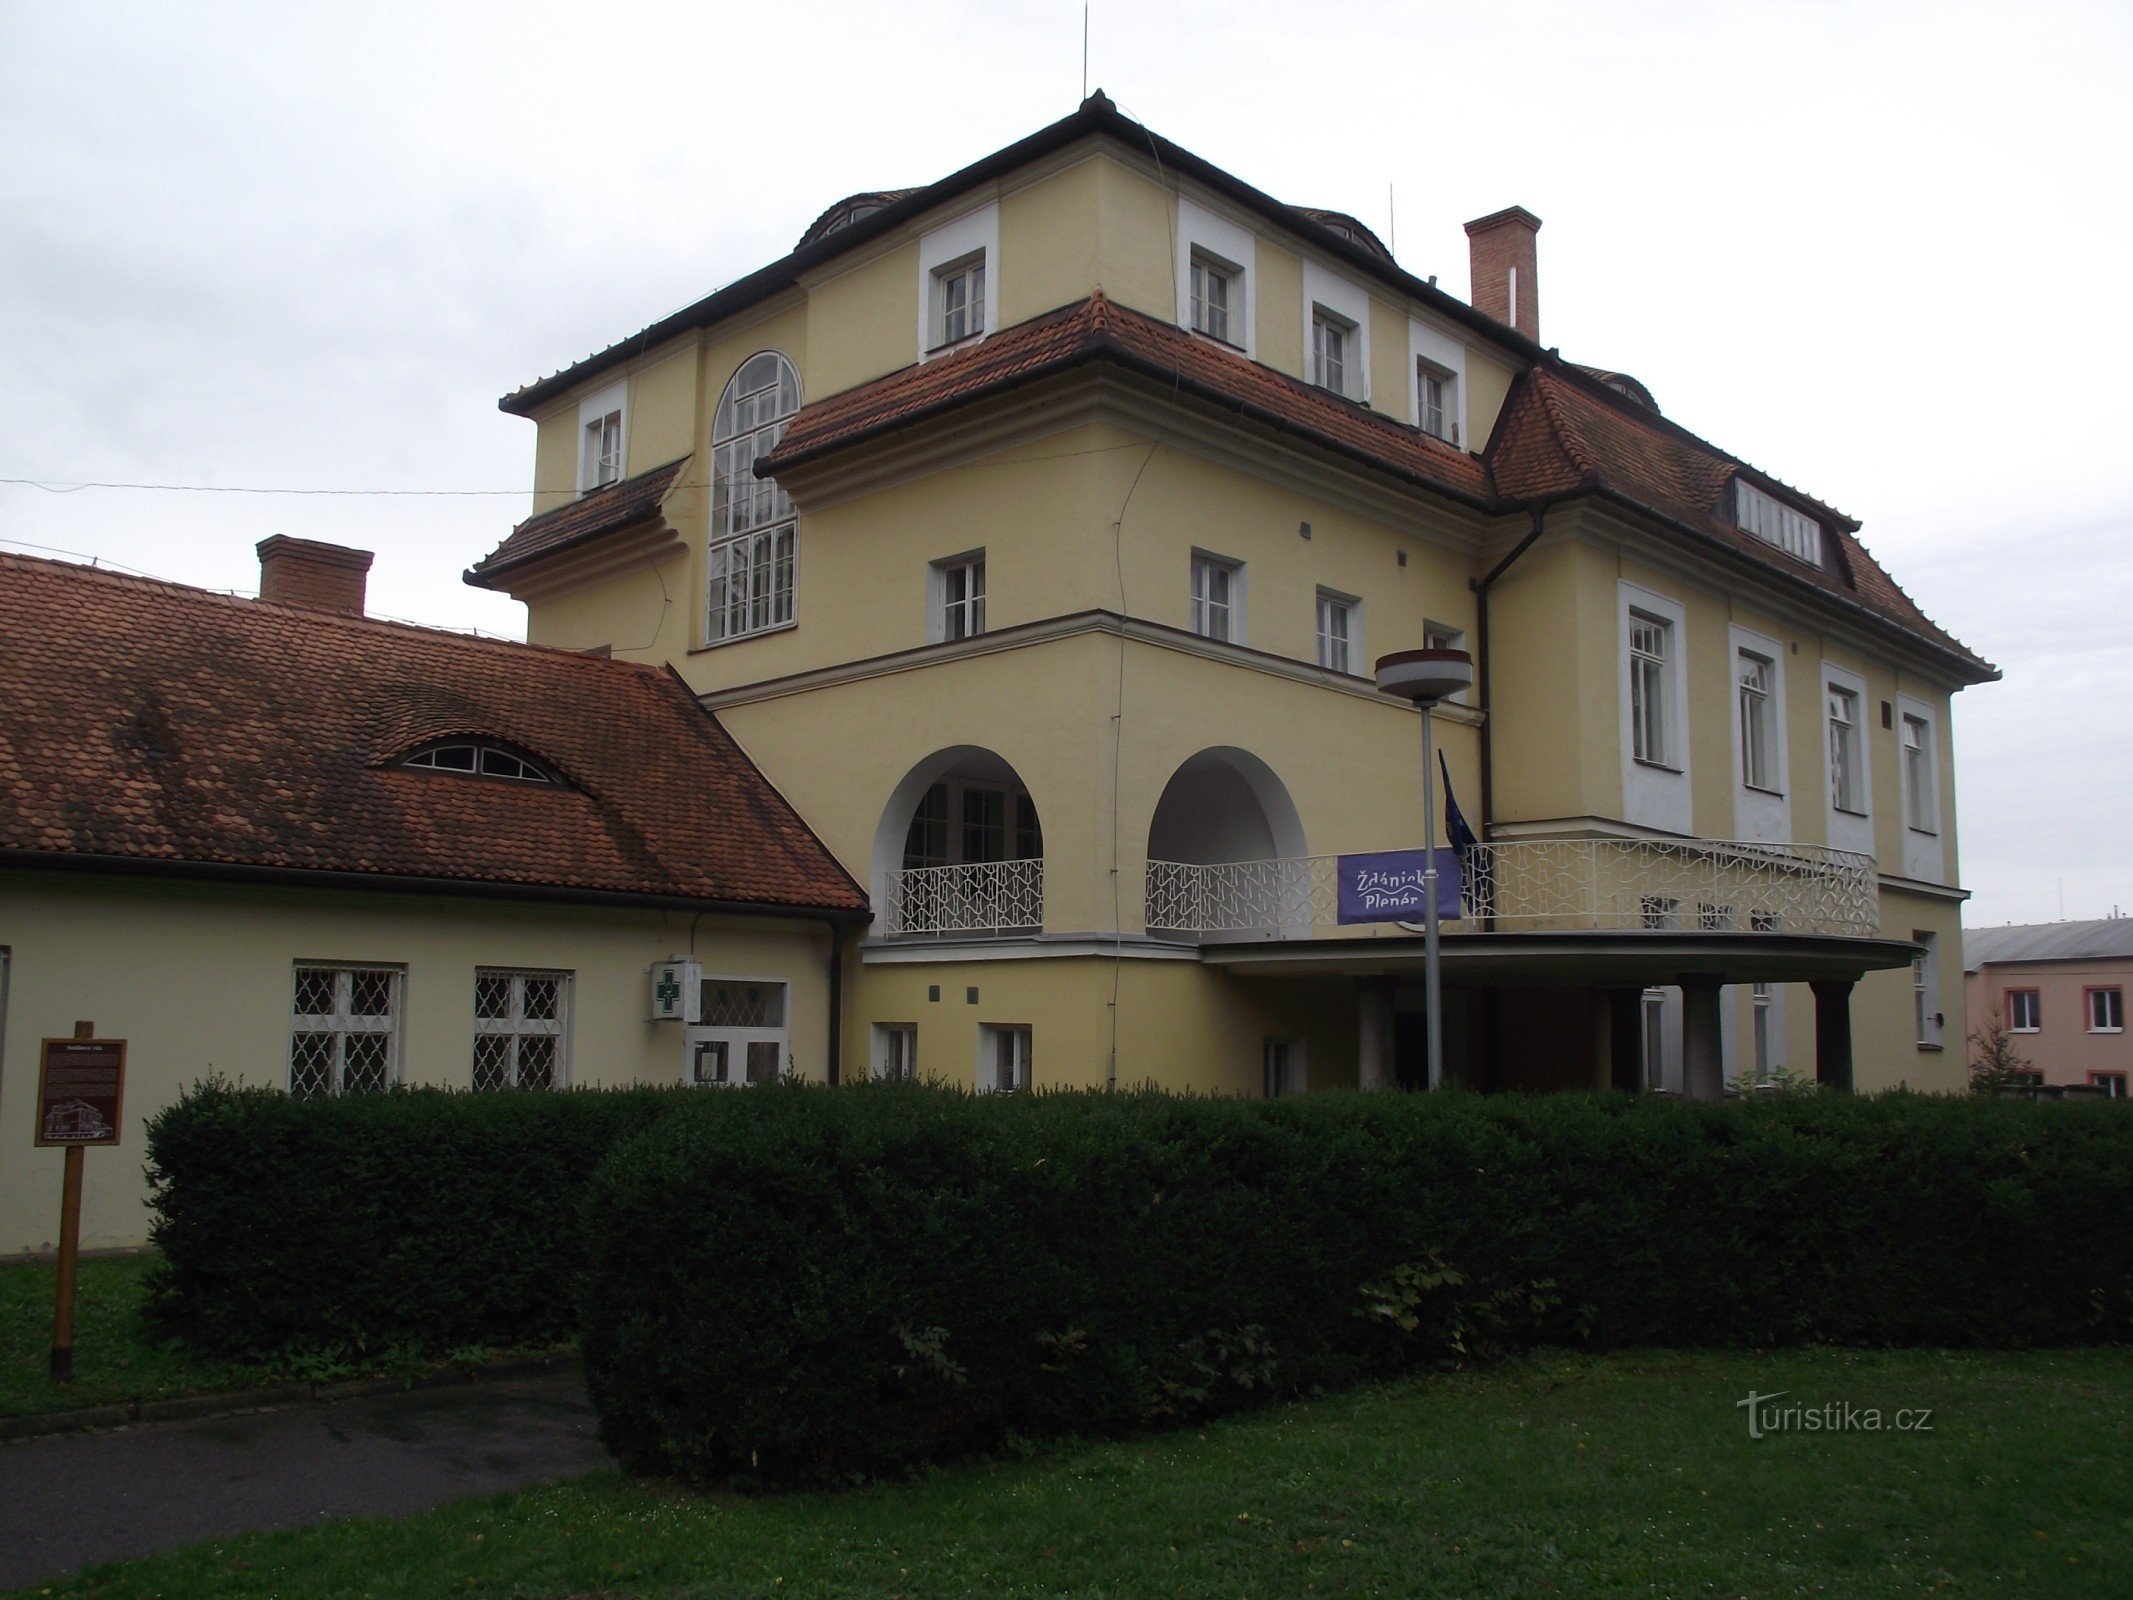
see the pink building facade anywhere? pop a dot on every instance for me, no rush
(2060, 988)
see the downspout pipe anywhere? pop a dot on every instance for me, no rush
(836, 1000)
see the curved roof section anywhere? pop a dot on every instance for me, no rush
(848, 211)
(146, 725)
(1349, 228)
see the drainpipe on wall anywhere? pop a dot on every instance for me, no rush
(836, 1001)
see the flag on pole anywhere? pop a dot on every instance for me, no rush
(1471, 862)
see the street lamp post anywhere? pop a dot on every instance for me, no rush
(1426, 677)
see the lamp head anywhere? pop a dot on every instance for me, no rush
(1425, 676)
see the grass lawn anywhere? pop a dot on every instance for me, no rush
(1553, 1475)
(115, 1357)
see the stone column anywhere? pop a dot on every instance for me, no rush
(1703, 1061)
(1833, 1033)
(1374, 1038)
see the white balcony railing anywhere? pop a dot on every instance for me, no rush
(987, 897)
(1550, 885)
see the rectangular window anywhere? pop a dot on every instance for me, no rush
(2024, 1011)
(1433, 390)
(742, 1036)
(603, 451)
(1216, 598)
(960, 297)
(345, 1032)
(2113, 1084)
(521, 1029)
(1774, 522)
(984, 823)
(1918, 787)
(895, 1052)
(1925, 988)
(1336, 631)
(1214, 292)
(1655, 1038)
(1649, 641)
(1332, 344)
(961, 584)
(2107, 1010)
(1003, 1057)
(751, 588)
(1846, 790)
(1758, 721)
(1764, 1061)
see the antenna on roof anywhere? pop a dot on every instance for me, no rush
(1392, 224)
(1085, 52)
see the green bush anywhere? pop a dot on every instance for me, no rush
(797, 1285)
(420, 1221)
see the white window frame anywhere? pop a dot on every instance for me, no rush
(1925, 988)
(1334, 348)
(1761, 1031)
(595, 453)
(341, 1023)
(2113, 1084)
(1215, 289)
(971, 240)
(755, 528)
(735, 1038)
(949, 617)
(1208, 612)
(1918, 769)
(1652, 669)
(1755, 677)
(1655, 792)
(515, 1027)
(2034, 1010)
(1436, 354)
(1327, 293)
(1005, 1047)
(1844, 709)
(2105, 1001)
(1212, 238)
(894, 1058)
(959, 302)
(1775, 523)
(1340, 648)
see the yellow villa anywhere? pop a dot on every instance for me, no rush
(1035, 532)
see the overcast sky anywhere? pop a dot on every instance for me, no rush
(1879, 250)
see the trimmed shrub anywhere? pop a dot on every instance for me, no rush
(420, 1221)
(798, 1285)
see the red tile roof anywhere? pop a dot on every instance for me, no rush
(1562, 431)
(604, 511)
(1099, 329)
(146, 722)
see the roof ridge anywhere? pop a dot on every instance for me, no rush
(308, 614)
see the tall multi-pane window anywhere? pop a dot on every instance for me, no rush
(1761, 1004)
(1432, 389)
(1336, 631)
(1214, 290)
(754, 532)
(1215, 597)
(345, 1032)
(521, 1029)
(1846, 790)
(1925, 987)
(1758, 721)
(1003, 1057)
(603, 450)
(895, 1051)
(963, 820)
(1649, 641)
(1774, 522)
(1918, 805)
(1654, 1038)
(1331, 340)
(959, 295)
(962, 597)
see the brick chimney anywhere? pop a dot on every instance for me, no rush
(1504, 279)
(304, 572)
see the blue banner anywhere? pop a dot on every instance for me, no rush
(1386, 886)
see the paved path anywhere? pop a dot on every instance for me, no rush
(68, 1501)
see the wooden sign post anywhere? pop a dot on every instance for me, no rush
(81, 1093)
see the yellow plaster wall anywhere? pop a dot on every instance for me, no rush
(1278, 308)
(1553, 685)
(1052, 239)
(1885, 1050)
(663, 420)
(197, 979)
(861, 322)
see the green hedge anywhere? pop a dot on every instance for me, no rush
(801, 1286)
(421, 1221)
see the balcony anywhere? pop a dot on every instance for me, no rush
(984, 898)
(1547, 886)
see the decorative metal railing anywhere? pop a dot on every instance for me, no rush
(995, 897)
(1549, 885)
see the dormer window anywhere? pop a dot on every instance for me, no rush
(600, 427)
(1214, 288)
(1774, 522)
(960, 296)
(1332, 344)
(478, 758)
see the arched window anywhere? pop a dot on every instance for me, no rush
(753, 531)
(478, 757)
